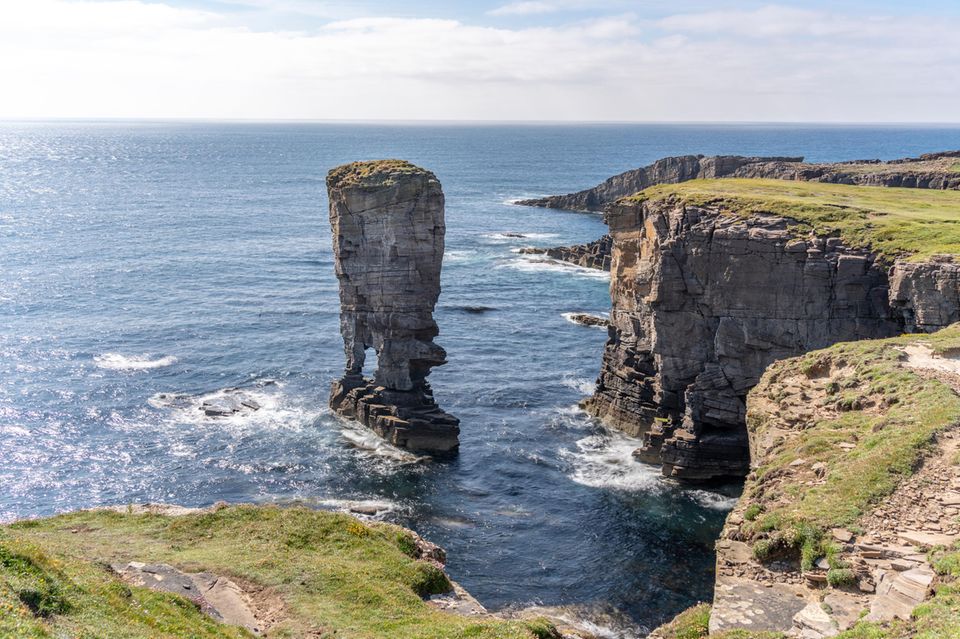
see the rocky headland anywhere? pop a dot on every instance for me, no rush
(388, 228)
(714, 280)
(932, 171)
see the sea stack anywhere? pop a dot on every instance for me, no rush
(388, 232)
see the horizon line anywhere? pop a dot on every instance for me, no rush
(428, 122)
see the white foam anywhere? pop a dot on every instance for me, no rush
(582, 384)
(712, 500)
(370, 443)
(518, 237)
(118, 362)
(274, 412)
(459, 256)
(605, 460)
(538, 263)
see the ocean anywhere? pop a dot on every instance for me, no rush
(141, 260)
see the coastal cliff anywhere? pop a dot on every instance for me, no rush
(714, 280)
(848, 523)
(932, 171)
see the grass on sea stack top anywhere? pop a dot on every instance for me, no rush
(373, 173)
(336, 576)
(894, 223)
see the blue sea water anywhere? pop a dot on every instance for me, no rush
(147, 258)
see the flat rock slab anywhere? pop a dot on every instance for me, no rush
(216, 596)
(742, 603)
(926, 539)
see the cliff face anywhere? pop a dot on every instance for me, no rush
(666, 171)
(388, 237)
(931, 171)
(705, 298)
(702, 303)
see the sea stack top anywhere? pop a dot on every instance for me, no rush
(375, 174)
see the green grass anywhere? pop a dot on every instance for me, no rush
(373, 174)
(692, 623)
(336, 576)
(888, 444)
(893, 222)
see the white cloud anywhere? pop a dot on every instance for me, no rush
(63, 58)
(523, 9)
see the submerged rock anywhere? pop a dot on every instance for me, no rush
(388, 228)
(585, 319)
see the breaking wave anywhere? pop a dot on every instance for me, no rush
(118, 362)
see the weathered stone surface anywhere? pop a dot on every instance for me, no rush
(702, 303)
(741, 603)
(595, 254)
(216, 596)
(927, 294)
(930, 171)
(388, 238)
(892, 571)
(585, 319)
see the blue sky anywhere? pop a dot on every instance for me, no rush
(618, 60)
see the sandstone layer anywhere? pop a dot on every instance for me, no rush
(934, 171)
(388, 228)
(702, 303)
(705, 299)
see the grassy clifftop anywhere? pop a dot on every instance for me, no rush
(333, 576)
(374, 173)
(893, 222)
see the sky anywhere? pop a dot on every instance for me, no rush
(500, 60)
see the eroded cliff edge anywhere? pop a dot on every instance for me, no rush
(848, 524)
(714, 280)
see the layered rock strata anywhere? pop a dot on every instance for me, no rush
(594, 254)
(926, 295)
(388, 228)
(703, 302)
(705, 299)
(933, 171)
